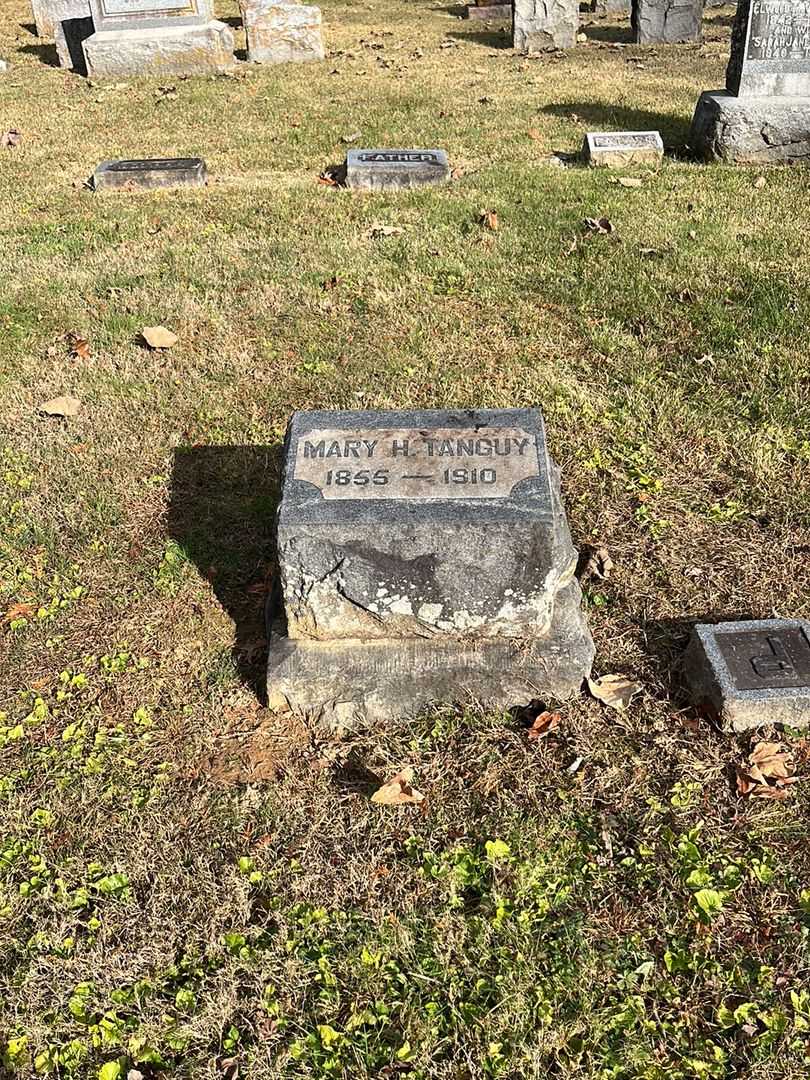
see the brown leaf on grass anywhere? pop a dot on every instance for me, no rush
(398, 791)
(489, 220)
(630, 181)
(330, 283)
(457, 172)
(602, 225)
(11, 138)
(599, 564)
(158, 337)
(545, 723)
(79, 346)
(768, 773)
(535, 133)
(328, 179)
(615, 691)
(61, 406)
(760, 183)
(17, 611)
(377, 231)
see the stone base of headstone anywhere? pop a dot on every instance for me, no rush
(282, 32)
(749, 674)
(545, 25)
(182, 50)
(667, 22)
(750, 130)
(345, 684)
(488, 12)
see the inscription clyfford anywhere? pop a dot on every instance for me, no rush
(405, 463)
(780, 30)
(760, 659)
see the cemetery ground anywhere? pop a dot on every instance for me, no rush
(191, 886)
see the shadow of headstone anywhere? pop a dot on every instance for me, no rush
(221, 512)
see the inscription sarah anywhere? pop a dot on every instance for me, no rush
(408, 464)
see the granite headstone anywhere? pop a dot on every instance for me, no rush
(157, 37)
(544, 25)
(281, 32)
(667, 22)
(149, 174)
(763, 115)
(621, 149)
(377, 170)
(752, 673)
(424, 557)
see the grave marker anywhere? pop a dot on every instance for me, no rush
(149, 174)
(763, 115)
(376, 170)
(544, 25)
(620, 149)
(752, 673)
(667, 22)
(282, 32)
(424, 557)
(157, 37)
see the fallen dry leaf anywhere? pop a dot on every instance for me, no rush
(17, 611)
(489, 219)
(545, 723)
(599, 564)
(61, 406)
(598, 225)
(615, 691)
(535, 133)
(10, 138)
(760, 182)
(158, 337)
(630, 181)
(383, 230)
(79, 346)
(398, 791)
(768, 773)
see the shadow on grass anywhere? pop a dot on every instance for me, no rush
(46, 54)
(610, 117)
(223, 500)
(613, 35)
(491, 39)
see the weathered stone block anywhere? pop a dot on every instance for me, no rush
(611, 7)
(752, 673)
(421, 524)
(48, 14)
(282, 33)
(756, 131)
(543, 25)
(345, 684)
(667, 22)
(149, 174)
(162, 51)
(623, 149)
(376, 170)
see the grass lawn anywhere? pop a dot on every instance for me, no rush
(191, 886)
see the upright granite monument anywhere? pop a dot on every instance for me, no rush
(763, 115)
(157, 37)
(281, 31)
(544, 25)
(424, 557)
(667, 22)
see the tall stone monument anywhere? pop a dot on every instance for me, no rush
(763, 115)
(667, 22)
(157, 37)
(544, 25)
(424, 557)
